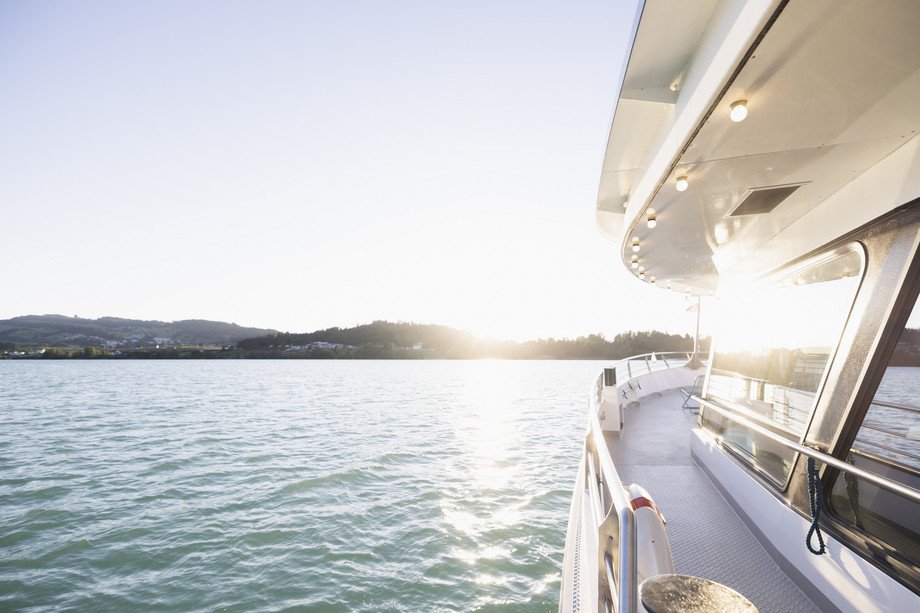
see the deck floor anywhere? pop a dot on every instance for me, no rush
(708, 538)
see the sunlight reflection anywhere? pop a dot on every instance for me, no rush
(488, 433)
(471, 557)
(804, 309)
(486, 579)
(489, 428)
(463, 521)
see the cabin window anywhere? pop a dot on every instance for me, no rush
(888, 444)
(773, 345)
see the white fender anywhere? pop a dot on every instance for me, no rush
(653, 552)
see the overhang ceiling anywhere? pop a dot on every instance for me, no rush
(832, 89)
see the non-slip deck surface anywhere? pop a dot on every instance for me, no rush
(708, 539)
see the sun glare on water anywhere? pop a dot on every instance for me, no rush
(487, 436)
(490, 430)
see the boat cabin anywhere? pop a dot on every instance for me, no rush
(765, 155)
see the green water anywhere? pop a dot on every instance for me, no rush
(287, 485)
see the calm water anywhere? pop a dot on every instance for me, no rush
(900, 385)
(250, 485)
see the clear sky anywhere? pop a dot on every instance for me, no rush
(299, 165)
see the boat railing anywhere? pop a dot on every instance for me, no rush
(899, 406)
(613, 521)
(645, 363)
(611, 511)
(884, 437)
(841, 465)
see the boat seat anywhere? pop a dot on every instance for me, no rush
(696, 390)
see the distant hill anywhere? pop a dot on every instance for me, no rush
(58, 336)
(384, 339)
(63, 331)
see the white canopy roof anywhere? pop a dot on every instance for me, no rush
(833, 98)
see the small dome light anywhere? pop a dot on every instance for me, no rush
(738, 110)
(652, 280)
(641, 272)
(635, 262)
(635, 244)
(652, 221)
(682, 183)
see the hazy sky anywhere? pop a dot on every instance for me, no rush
(301, 165)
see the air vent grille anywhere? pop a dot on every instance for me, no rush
(760, 200)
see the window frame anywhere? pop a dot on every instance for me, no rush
(883, 554)
(789, 269)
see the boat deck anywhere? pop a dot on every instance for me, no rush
(708, 538)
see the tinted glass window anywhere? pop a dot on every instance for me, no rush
(888, 444)
(773, 345)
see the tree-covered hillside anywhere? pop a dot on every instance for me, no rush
(63, 331)
(389, 339)
(57, 336)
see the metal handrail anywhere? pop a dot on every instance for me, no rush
(625, 589)
(882, 482)
(620, 572)
(595, 491)
(863, 453)
(893, 450)
(873, 427)
(871, 422)
(608, 567)
(658, 354)
(894, 405)
(661, 358)
(621, 577)
(745, 411)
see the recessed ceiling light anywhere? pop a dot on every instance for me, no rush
(738, 110)
(652, 221)
(635, 244)
(682, 183)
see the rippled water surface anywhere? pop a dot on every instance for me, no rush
(267, 485)
(899, 428)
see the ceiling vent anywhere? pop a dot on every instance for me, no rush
(760, 200)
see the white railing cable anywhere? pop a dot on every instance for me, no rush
(882, 482)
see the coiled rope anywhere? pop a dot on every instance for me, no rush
(815, 495)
